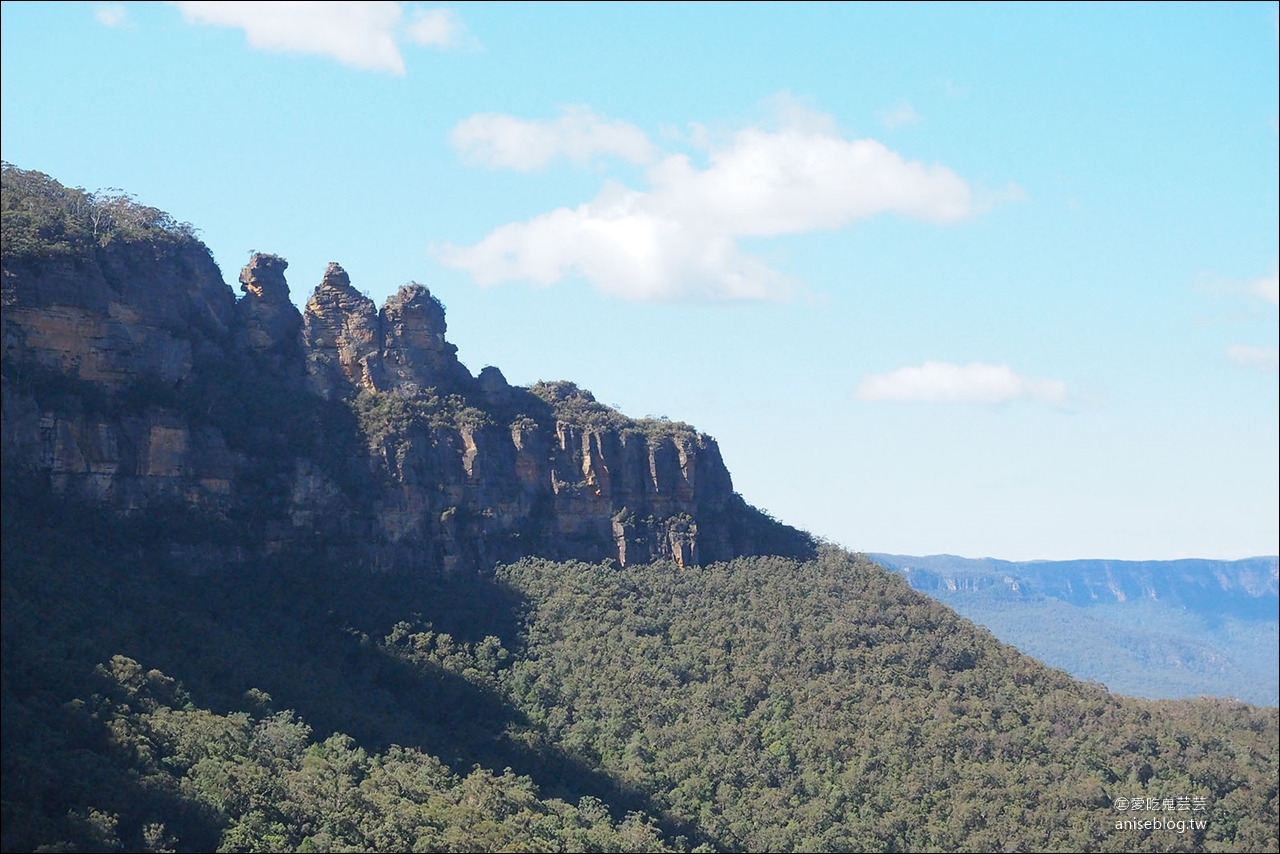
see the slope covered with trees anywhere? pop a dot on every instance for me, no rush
(824, 706)
(761, 704)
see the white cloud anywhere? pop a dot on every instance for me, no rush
(899, 116)
(1262, 358)
(791, 181)
(625, 249)
(1267, 287)
(972, 383)
(112, 15)
(498, 140)
(786, 110)
(678, 238)
(436, 28)
(362, 35)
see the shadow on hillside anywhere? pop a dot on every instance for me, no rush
(311, 638)
(57, 773)
(79, 590)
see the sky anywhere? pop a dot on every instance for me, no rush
(987, 280)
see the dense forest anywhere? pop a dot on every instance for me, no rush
(761, 704)
(199, 653)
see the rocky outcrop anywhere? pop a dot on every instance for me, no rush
(341, 336)
(269, 323)
(351, 346)
(119, 315)
(97, 344)
(415, 355)
(132, 377)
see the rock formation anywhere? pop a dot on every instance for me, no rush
(269, 323)
(414, 353)
(133, 378)
(341, 336)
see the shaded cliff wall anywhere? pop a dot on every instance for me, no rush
(133, 376)
(93, 344)
(476, 471)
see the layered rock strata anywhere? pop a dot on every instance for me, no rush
(134, 378)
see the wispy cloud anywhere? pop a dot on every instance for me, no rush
(436, 28)
(361, 35)
(1267, 287)
(975, 382)
(900, 116)
(502, 141)
(1260, 358)
(112, 15)
(678, 238)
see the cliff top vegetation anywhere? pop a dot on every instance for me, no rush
(579, 408)
(42, 218)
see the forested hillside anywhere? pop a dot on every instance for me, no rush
(825, 706)
(761, 704)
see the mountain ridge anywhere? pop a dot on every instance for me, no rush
(132, 376)
(1159, 629)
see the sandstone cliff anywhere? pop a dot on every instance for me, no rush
(134, 377)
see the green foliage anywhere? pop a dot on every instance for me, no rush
(762, 704)
(578, 407)
(269, 787)
(295, 633)
(524, 424)
(385, 416)
(40, 218)
(824, 706)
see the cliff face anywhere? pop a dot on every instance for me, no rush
(350, 345)
(476, 471)
(82, 335)
(134, 378)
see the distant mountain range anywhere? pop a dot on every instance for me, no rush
(1159, 629)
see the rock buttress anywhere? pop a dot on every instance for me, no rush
(342, 337)
(133, 378)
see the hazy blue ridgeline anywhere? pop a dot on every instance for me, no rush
(1161, 629)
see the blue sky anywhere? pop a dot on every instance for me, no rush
(986, 280)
